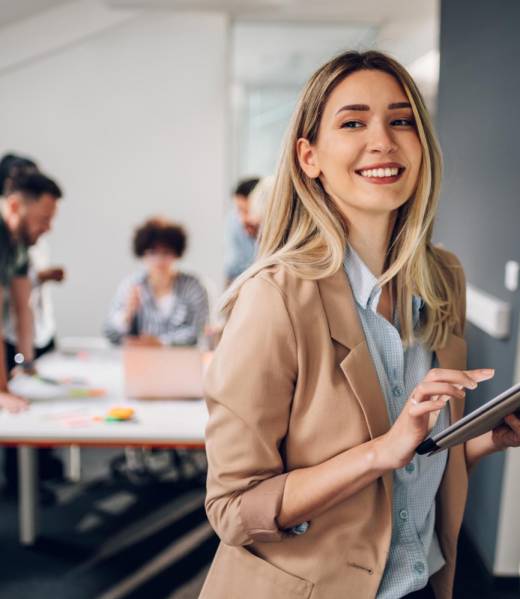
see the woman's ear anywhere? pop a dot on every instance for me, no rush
(307, 157)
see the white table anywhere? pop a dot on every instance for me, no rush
(65, 421)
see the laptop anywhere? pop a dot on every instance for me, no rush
(163, 372)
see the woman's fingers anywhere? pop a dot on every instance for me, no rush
(481, 374)
(425, 390)
(426, 407)
(465, 378)
(508, 434)
(513, 422)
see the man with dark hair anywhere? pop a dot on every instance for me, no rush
(242, 231)
(13, 166)
(26, 213)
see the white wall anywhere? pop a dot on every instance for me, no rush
(132, 121)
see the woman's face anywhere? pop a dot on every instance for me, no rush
(160, 260)
(368, 153)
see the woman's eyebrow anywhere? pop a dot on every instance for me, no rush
(396, 105)
(366, 107)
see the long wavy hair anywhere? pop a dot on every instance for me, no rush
(304, 232)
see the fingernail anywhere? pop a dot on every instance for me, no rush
(487, 370)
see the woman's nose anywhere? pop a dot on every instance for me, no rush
(381, 140)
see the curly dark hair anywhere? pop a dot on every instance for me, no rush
(159, 232)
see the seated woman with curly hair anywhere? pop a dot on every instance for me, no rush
(158, 305)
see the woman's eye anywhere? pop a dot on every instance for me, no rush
(404, 122)
(352, 125)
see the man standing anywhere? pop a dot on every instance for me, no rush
(26, 214)
(40, 273)
(242, 232)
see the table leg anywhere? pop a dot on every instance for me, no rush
(74, 464)
(28, 494)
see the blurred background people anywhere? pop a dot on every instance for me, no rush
(241, 231)
(40, 272)
(28, 210)
(158, 304)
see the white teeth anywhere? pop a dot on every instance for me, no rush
(379, 172)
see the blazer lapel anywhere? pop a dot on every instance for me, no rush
(358, 366)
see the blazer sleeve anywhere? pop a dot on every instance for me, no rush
(249, 390)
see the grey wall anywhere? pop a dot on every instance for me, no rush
(478, 121)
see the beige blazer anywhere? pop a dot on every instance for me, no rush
(293, 384)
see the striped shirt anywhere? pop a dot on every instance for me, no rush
(181, 323)
(415, 553)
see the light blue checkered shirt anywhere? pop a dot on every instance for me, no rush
(415, 553)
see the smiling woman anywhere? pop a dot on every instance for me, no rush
(343, 346)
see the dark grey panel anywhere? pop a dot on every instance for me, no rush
(478, 120)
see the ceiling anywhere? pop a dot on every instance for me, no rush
(282, 41)
(368, 11)
(17, 10)
(376, 12)
(285, 54)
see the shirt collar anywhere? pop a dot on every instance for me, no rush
(363, 282)
(365, 286)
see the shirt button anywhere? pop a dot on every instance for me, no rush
(409, 467)
(419, 567)
(403, 514)
(397, 391)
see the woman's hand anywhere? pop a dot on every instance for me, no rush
(507, 434)
(503, 436)
(421, 410)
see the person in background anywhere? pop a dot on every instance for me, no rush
(26, 214)
(159, 304)
(44, 324)
(40, 272)
(258, 202)
(12, 166)
(242, 232)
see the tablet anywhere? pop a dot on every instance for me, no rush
(478, 422)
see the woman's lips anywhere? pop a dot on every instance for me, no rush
(384, 180)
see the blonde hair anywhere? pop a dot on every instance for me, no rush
(304, 232)
(259, 197)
